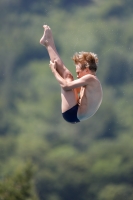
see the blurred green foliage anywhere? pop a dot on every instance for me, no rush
(90, 160)
(18, 186)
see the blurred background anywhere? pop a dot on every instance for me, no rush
(42, 157)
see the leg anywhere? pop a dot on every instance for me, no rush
(48, 41)
(69, 98)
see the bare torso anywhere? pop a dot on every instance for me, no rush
(90, 99)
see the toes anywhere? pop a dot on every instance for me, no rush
(46, 26)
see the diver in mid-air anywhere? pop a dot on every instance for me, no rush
(81, 98)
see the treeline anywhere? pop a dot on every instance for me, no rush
(40, 7)
(90, 160)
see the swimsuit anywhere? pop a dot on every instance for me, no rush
(71, 115)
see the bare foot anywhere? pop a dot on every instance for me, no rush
(47, 37)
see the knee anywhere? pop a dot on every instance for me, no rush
(69, 77)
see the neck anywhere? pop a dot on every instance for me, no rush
(92, 73)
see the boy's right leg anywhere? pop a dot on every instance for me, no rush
(69, 98)
(48, 41)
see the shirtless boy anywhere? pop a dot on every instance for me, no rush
(82, 97)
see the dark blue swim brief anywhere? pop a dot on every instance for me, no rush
(71, 115)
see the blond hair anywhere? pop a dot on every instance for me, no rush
(86, 59)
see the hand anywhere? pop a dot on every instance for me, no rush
(52, 65)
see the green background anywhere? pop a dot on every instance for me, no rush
(92, 160)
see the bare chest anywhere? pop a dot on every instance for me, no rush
(82, 91)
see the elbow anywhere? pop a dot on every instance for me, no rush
(65, 86)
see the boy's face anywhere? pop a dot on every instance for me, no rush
(80, 72)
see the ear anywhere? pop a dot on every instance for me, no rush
(87, 69)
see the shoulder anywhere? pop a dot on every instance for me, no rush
(89, 77)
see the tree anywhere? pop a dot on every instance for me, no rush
(19, 185)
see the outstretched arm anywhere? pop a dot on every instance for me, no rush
(69, 85)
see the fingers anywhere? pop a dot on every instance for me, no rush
(52, 65)
(53, 62)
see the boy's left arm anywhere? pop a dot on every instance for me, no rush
(69, 85)
(61, 81)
